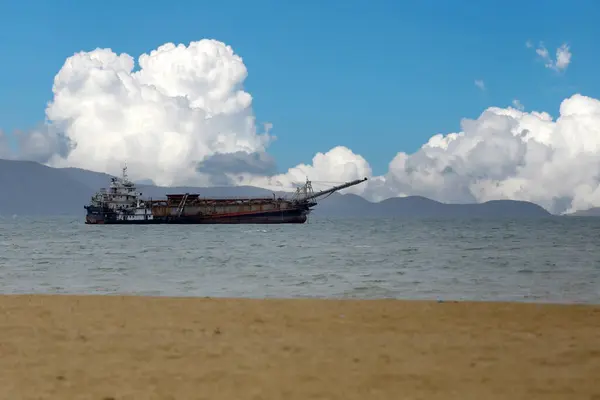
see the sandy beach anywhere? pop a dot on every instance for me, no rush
(112, 347)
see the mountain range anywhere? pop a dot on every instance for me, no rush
(30, 188)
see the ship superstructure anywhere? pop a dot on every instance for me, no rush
(121, 203)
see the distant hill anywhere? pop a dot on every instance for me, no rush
(422, 207)
(29, 188)
(90, 179)
(592, 212)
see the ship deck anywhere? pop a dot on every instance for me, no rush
(176, 199)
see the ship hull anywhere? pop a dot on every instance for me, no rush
(297, 216)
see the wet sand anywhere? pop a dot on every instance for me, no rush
(110, 347)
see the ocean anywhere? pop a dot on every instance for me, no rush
(538, 260)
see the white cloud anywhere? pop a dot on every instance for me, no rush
(518, 105)
(563, 56)
(184, 118)
(339, 164)
(184, 105)
(510, 154)
(480, 84)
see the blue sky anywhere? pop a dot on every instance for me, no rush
(376, 76)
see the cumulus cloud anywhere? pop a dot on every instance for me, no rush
(221, 167)
(43, 144)
(518, 105)
(337, 165)
(563, 56)
(184, 105)
(480, 84)
(510, 154)
(184, 118)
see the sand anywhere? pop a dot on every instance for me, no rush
(110, 347)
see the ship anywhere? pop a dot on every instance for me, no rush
(122, 203)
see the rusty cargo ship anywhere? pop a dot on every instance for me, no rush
(121, 203)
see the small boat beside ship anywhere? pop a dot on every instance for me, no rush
(121, 203)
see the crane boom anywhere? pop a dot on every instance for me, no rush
(310, 196)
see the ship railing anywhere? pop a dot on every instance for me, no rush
(224, 198)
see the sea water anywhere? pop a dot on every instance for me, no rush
(554, 259)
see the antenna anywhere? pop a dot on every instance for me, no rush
(125, 172)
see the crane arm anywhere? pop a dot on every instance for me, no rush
(334, 189)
